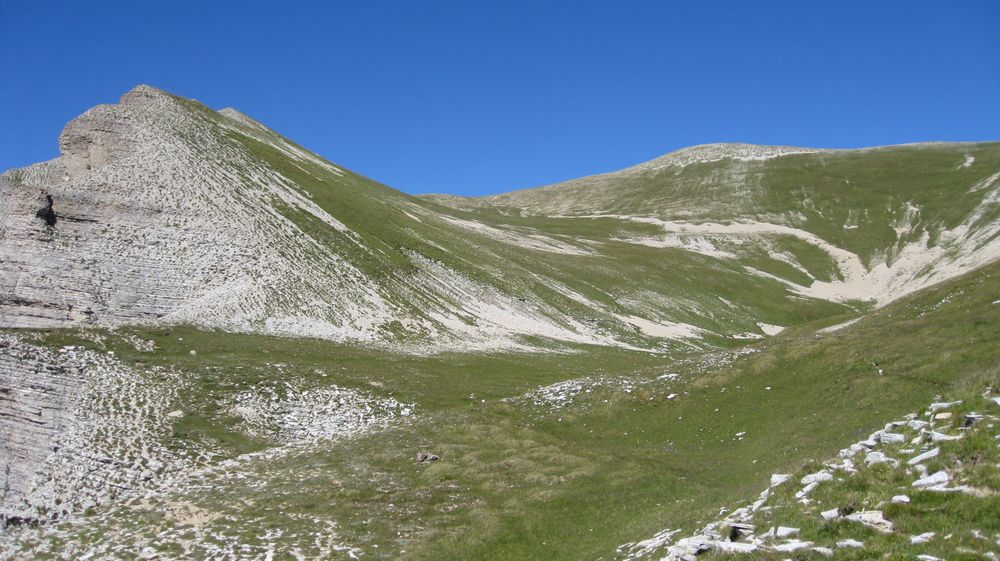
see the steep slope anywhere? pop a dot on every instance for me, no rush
(160, 210)
(78, 428)
(157, 214)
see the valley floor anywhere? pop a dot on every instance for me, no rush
(297, 448)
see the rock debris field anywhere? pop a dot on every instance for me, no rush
(90, 431)
(891, 466)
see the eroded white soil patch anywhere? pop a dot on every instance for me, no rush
(915, 266)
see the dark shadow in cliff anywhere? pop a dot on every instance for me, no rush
(46, 213)
(12, 521)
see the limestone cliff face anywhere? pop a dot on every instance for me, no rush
(32, 417)
(153, 212)
(78, 428)
(107, 256)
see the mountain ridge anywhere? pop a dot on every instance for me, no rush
(207, 330)
(713, 151)
(169, 212)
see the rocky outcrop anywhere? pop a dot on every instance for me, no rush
(77, 428)
(159, 215)
(110, 254)
(36, 394)
(736, 531)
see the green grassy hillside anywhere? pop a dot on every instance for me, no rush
(590, 363)
(880, 205)
(586, 256)
(638, 443)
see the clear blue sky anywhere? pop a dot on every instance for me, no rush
(475, 97)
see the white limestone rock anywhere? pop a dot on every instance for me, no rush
(933, 453)
(936, 478)
(942, 437)
(78, 426)
(779, 478)
(873, 519)
(785, 531)
(891, 438)
(877, 457)
(792, 545)
(817, 477)
(938, 406)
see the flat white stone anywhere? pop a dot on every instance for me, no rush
(944, 405)
(779, 478)
(939, 436)
(733, 547)
(872, 519)
(936, 478)
(891, 438)
(877, 457)
(925, 456)
(817, 477)
(793, 545)
(900, 499)
(922, 538)
(785, 531)
(851, 451)
(806, 490)
(845, 465)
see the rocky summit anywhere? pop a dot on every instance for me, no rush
(216, 344)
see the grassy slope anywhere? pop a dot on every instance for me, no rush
(821, 193)
(953, 517)
(523, 482)
(519, 481)
(678, 285)
(867, 191)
